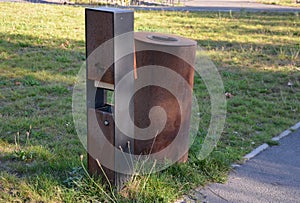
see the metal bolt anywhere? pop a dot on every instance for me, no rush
(106, 123)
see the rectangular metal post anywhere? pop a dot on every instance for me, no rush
(105, 69)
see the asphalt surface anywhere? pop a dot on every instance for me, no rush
(237, 5)
(272, 176)
(196, 5)
(222, 6)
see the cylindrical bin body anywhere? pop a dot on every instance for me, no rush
(163, 95)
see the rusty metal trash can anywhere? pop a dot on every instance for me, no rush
(157, 57)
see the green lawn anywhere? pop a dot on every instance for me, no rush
(41, 50)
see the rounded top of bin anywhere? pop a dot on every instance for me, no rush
(163, 39)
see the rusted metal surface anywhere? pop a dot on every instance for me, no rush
(105, 69)
(179, 56)
(103, 120)
(99, 29)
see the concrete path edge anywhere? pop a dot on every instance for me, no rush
(264, 146)
(186, 198)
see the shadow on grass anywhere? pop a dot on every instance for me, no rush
(63, 57)
(36, 86)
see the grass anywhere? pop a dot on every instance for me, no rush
(41, 50)
(280, 2)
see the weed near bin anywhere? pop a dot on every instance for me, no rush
(42, 48)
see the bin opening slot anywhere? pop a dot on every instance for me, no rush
(106, 108)
(162, 38)
(104, 98)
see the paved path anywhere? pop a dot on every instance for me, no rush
(223, 6)
(272, 176)
(198, 5)
(236, 5)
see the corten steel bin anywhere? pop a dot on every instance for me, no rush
(105, 68)
(177, 54)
